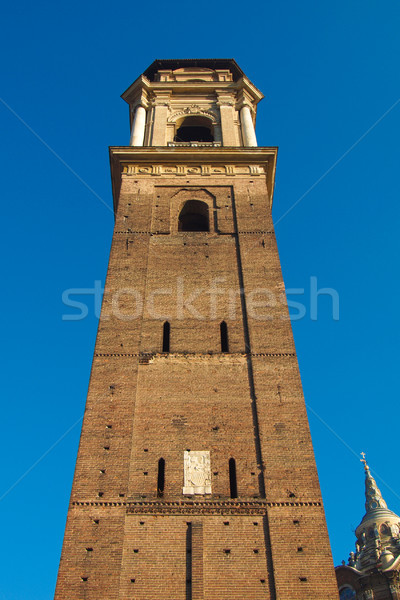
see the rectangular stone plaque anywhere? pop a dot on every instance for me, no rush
(197, 472)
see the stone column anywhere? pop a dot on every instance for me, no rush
(249, 135)
(138, 126)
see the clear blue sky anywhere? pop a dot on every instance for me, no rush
(329, 72)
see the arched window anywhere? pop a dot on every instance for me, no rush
(161, 478)
(165, 340)
(347, 593)
(194, 129)
(194, 216)
(232, 478)
(224, 337)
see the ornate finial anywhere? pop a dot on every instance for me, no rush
(373, 496)
(363, 460)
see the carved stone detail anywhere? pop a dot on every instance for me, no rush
(194, 109)
(154, 170)
(197, 472)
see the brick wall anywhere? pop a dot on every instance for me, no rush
(143, 405)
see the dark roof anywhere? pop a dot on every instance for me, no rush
(205, 63)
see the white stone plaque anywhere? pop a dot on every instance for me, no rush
(197, 472)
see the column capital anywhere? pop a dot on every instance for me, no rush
(225, 99)
(244, 99)
(161, 97)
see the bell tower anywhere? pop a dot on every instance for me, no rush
(195, 477)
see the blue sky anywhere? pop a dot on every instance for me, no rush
(329, 72)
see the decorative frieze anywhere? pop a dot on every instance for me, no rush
(193, 170)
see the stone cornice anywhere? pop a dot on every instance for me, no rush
(148, 155)
(147, 357)
(187, 507)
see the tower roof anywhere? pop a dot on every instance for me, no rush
(375, 505)
(205, 63)
(373, 496)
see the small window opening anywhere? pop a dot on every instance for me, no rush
(100, 494)
(303, 578)
(232, 478)
(96, 521)
(161, 478)
(84, 578)
(194, 216)
(296, 522)
(166, 335)
(227, 551)
(224, 337)
(89, 549)
(136, 550)
(132, 580)
(141, 523)
(255, 551)
(255, 523)
(299, 549)
(262, 580)
(226, 522)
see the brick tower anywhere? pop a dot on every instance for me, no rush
(195, 478)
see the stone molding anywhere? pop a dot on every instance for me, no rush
(257, 507)
(135, 232)
(184, 170)
(147, 357)
(193, 110)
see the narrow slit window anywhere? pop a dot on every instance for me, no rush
(161, 478)
(224, 337)
(232, 478)
(166, 336)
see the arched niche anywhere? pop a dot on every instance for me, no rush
(195, 201)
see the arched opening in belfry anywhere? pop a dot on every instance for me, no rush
(161, 478)
(194, 216)
(232, 478)
(194, 129)
(166, 336)
(224, 337)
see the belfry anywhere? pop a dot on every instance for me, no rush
(195, 477)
